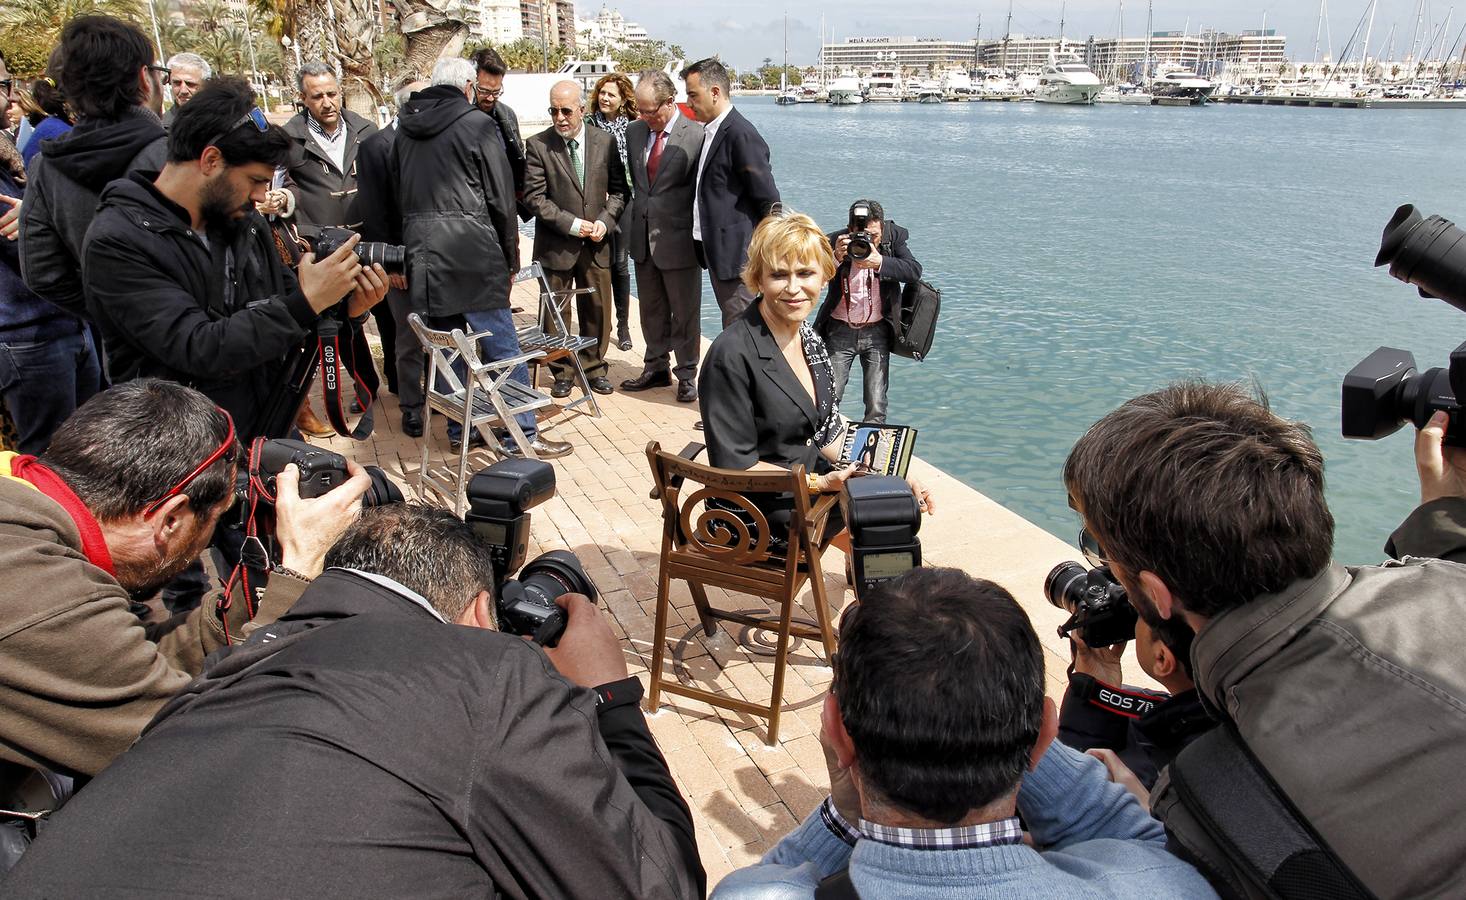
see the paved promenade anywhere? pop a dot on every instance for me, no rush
(744, 794)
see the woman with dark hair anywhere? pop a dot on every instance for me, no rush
(48, 113)
(615, 108)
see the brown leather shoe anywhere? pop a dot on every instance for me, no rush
(308, 424)
(647, 380)
(544, 448)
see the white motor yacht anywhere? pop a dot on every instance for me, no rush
(1124, 93)
(883, 86)
(845, 90)
(1067, 81)
(1180, 87)
(928, 91)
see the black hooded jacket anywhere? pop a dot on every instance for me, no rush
(220, 318)
(360, 747)
(457, 203)
(64, 184)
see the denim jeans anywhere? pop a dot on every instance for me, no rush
(502, 344)
(873, 345)
(43, 382)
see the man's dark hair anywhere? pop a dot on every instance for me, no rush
(1204, 486)
(131, 444)
(940, 683)
(877, 212)
(488, 61)
(103, 58)
(1174, 633)
(710, 71)
(212, 118)
(422, 548)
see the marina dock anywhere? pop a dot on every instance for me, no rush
(744, 795)
(1345, 102)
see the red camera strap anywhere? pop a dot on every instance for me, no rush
(253, 569)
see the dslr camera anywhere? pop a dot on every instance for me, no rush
(320, 471)
(393, 257)
(1096, 603)
(860, 244)
(1386, 390)
(499, 498)
(883, 518)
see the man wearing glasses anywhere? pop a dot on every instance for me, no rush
(488, 90)
(183, 276)
(574, 182)
(125, 497)
(186, 74)
(662, 149)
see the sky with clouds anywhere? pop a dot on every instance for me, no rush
(746, 32)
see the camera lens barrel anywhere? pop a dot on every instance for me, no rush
(1065, 585)
(1428, 253)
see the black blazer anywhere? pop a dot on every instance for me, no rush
(375, 206)
(753, 407)
(736, 191)
(898, 267)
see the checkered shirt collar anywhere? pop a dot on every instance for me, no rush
(962, 837)
(315, 127)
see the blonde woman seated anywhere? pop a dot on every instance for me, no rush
(766, 388)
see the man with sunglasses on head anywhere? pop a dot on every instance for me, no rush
(126, 495)
(183, 275)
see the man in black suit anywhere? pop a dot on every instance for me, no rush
(735, 184)
(662, 150)
(859, 315)
(380, 215)
(574, 182)
(488, 89)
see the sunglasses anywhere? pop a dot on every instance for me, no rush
(226, 448)
(254, 117)
(561, 111)
(1089, 548)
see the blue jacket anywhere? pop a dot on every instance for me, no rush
(24, 316)
(1096, 841)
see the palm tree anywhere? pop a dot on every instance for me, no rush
(29, 29)
(223, 47)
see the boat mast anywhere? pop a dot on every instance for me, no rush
(1368, 33)
(1061, 26)
(977, 45)
(1145, 66)
(1007, 36)
(1116, 67)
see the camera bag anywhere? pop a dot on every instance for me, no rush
(921, 303)
(1269, 849)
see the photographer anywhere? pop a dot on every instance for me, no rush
(384, 740)
(938, 736)
(182, 274)
(125, 497)
(863, 305)
(1343, 683)
(1144, 729)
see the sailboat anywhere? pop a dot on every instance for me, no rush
(787, 96)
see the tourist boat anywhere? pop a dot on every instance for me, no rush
(1124, 93)
(845, 90)
(1175, 86)
(883, 86)
(1067, 81)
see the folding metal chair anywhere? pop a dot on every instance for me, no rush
(550, 336)
(491, 397)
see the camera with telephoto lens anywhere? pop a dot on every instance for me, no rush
(393, 257)
(1386, 390)
(883, 517)
(1096, 603)
(860, 245)
(499, 498)
(320, 472)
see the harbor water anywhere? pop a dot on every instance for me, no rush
(1089, 254)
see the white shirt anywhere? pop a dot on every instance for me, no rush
(709, 131)
(579, 139)
(334, 145)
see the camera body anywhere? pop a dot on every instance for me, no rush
(320, 472)
(861, 240)
(883, 517)
(1096, 602)
(1386, 390)
(499, 498)
(393, 257)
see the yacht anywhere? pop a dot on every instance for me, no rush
(1174, 86)
(845, 90)
(1067, 81)
(1027, 81)
(995, 84)
(957, 85)
(883, 86)
(810, 89)
(788, 96)
(1124, 93)
(928, 91)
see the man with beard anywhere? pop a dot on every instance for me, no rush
(182, 274)
(126, 495)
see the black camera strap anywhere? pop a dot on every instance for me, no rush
(248, 579)
(338, 357)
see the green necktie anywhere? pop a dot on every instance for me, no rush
(575, 161)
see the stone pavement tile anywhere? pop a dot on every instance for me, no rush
(807, 751)
(750, 786)
(737, 827)
(695, 773)
(769, 760)
(800, 790)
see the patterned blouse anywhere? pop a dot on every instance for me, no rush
(832, 425)
(617, 127)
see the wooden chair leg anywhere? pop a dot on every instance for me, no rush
(659, 642)
(821, 604)
(704, 610)
(781, 660)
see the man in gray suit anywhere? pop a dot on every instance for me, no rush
(662, 150)
(574, 182)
